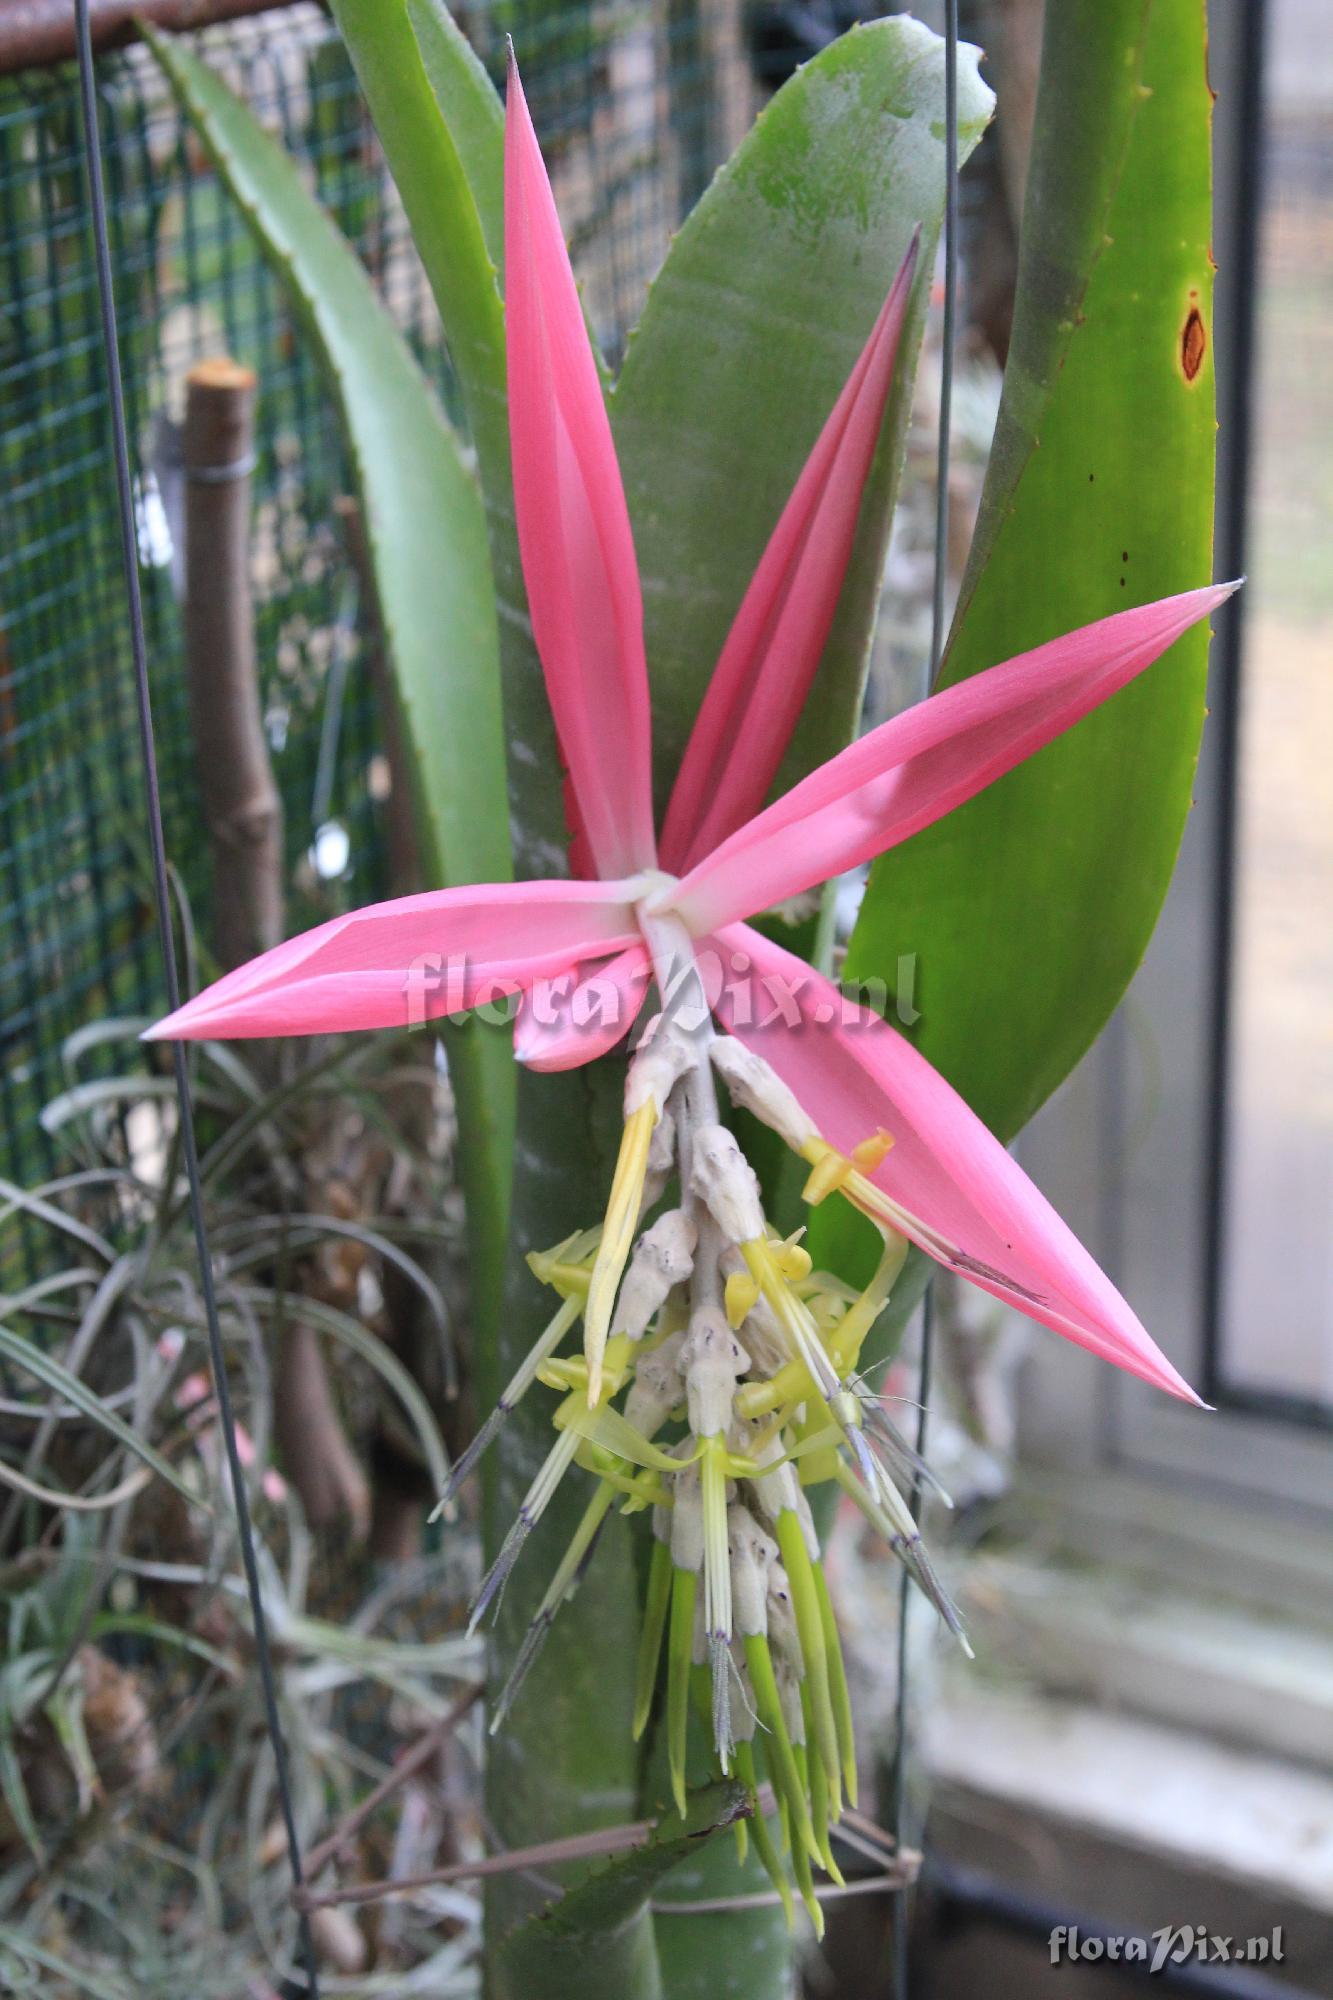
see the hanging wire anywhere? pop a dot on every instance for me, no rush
(902, 1906)
(134, 606)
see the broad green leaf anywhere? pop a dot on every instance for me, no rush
(1029, 910)
(597, 1941)
(750, 330)
(426, 536)
(24, 1354)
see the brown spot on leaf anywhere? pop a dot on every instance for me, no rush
(1193, 344)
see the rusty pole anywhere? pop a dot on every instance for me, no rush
(36, 33)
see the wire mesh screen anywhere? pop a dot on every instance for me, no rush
(637, 104)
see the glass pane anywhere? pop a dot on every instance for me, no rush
(1278, 1309)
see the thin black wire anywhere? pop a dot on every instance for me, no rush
(134, 604)
(902, 1907)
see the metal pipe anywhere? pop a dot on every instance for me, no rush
(1232, 525)
(37, 33)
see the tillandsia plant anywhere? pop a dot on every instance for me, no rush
(718, 1379)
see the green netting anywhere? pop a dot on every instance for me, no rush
(636, 103)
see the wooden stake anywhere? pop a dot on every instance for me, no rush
(242, 809)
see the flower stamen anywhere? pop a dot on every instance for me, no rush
(622, 1214)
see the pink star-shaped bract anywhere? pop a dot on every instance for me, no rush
(722, 857)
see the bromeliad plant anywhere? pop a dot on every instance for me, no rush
(718, 1378)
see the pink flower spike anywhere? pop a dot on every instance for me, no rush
(573, 525)
(958, 1192)
(931, 758)
(765, 669)
(567, 1021)
(397, 964)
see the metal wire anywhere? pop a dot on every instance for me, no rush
(902, 1907)
(162, 896)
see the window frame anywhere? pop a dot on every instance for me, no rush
(1118, 1186)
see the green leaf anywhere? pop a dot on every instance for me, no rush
(598, 1939)
(21, 1953)
(54, 1376)
(424, 518)
(1029, 910)
(438, 190)
(138, 1625)
(426, 536)
(442, 129)
(14, 1792)
(470, 108)
(750, 330)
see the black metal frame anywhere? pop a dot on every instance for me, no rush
(1241, 164)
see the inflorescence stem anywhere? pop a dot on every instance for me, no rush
(719, 1331)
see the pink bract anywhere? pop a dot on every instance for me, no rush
(953, 1187)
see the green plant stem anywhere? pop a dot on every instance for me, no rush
(564, 1760)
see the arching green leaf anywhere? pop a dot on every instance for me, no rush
(427, 544)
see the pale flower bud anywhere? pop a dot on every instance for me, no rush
(755, 1086)
(712, 1361)
(725, 1181)
(663, 1257)
(663, 1057)
(658, 1386)
(779, 1490)
(687, 1522)
(752, 1554)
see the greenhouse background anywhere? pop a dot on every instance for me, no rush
(622, 93)
(1049, 1802)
